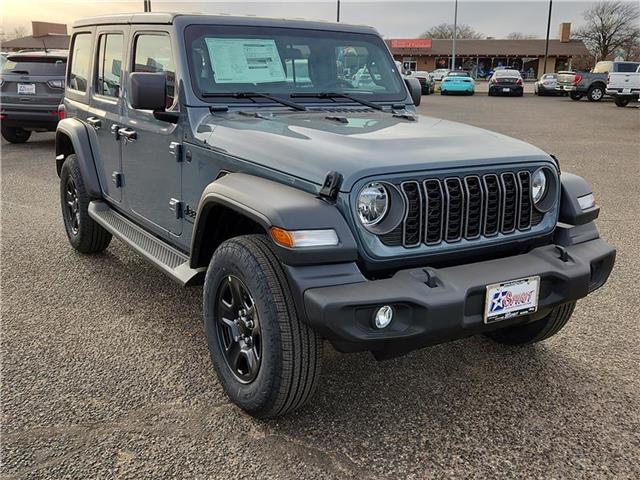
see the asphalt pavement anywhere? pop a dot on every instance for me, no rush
(106, 374)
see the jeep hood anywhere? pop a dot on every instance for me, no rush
(356, 144)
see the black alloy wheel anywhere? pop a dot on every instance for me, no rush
(238, 328)
(72, 209)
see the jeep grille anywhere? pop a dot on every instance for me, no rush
(467, 207)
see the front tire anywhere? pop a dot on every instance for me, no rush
(267, 360)
(15, 134)
(83, 232)
(535, 331)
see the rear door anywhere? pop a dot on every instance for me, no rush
(105, 110)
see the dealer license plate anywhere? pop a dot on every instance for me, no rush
(26, 89)
(506, 90)
(626, 90)
(511, 299)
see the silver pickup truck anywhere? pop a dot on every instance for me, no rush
(592, 84)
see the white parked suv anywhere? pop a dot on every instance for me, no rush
(624, 87)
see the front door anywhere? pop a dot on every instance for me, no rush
(106, 109)
(152, 174)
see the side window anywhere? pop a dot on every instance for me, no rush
(153, 54)
(109, 65)
(80, 62)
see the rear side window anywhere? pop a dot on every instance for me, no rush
(109, 65)
(48, 66)
(627, 67)
(153, 54)
(80, 62)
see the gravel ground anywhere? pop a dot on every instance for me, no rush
(105, 371)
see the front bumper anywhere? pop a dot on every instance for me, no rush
(437, 305)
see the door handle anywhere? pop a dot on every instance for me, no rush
(94, 122)
(127, 133)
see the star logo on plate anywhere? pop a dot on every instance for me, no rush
(496, 301)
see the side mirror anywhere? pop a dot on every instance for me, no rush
(415, 90)
(148, 91)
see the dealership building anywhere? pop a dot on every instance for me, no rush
(482, 56)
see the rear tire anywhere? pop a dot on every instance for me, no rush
(83, 232)
(15, 134)
(575, 96)
(270, 366)
(621, 102)
(595, 93)
(535, 331)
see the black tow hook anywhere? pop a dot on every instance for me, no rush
(564, 255)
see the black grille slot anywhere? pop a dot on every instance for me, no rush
(473, 189)
(536, 218)
(393, 238)
(454, 209)
(435, 211)
(413, 220)
(526, 205)
(509, 202)
(492, 203)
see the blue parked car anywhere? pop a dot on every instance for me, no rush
(458, 82)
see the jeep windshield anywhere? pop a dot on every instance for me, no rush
(286, 62)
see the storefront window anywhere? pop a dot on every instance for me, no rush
(563, 64)
(529, 68)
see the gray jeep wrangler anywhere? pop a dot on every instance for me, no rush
(282, 164)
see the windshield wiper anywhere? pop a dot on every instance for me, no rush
(251, 95)
(359, 100)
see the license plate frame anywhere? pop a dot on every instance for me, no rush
(511, 299)
(506, 90)
(26, 88)
(626, 90)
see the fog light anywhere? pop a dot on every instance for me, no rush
(383, 317)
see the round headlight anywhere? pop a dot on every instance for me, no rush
(538, 185)
(373, 203)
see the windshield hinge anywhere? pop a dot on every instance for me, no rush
(331, 186)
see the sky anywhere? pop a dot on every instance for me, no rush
(393, 19)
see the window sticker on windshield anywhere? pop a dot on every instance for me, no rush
(245, 60)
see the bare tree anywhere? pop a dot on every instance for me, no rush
(16, 32)
(445, 30)
(610, 27)
(520, 36)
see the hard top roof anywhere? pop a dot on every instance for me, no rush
(220, 19)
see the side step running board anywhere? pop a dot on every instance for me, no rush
(171, 261)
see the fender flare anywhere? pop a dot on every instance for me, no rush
(272, 204)
(73, 133)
